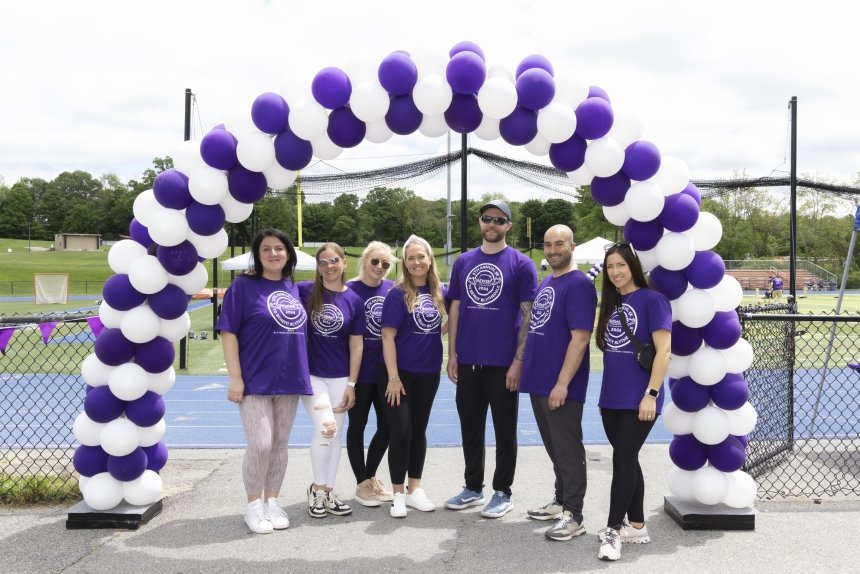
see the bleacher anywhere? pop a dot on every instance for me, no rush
(751, 279)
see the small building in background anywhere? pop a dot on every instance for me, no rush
(77, 242)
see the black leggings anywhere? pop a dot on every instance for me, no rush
(407, 423)
(365, 396)
(626, 434)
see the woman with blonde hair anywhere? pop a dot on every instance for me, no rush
(412, 354)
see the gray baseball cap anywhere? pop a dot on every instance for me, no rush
(498, 204)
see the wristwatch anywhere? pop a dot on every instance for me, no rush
(652, 392)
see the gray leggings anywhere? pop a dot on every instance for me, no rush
(267, 420)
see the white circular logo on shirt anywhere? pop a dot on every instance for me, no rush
(542, 308)
(616, 337)
(329, 319)
(373, 315)
(484, 283)
(425, 313)
(286, 310)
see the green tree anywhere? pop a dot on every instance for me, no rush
(388, 214)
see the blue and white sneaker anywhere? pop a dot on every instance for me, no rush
(465, 499)
(498, 506)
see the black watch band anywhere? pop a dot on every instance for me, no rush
(652, 392)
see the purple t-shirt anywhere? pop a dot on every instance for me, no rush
(342, 315)
(563, 304)
(419, 332)
(270, 323)
(373, 298)
(624, 381)
(490, 289)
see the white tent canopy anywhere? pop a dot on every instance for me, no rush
(592, 251)
(304, 262)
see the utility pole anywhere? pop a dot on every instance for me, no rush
(183, 343)
(464, 197)
(448, 216)
(792, 256)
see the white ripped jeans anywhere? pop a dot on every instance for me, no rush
(325, 452)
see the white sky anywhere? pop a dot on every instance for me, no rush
(99, 85)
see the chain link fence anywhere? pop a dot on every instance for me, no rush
(806, 390)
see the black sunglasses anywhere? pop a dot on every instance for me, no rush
(375, 262)
(488, 219)
(617, 244)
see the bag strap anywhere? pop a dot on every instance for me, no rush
(636, 344)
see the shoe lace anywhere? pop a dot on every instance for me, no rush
(276, 511)
(499, 497)
(610, 537)
(319, 498)
(257, 512)
(376, 486)
(334, 500)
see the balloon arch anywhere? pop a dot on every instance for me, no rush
(179, 223)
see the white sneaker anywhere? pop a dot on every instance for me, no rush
(418, 500)
(398, 505)
(610, 547)
(276, 514)
(256, 519)
(631, 535)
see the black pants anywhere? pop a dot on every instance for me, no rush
(480, 388)
(407, 423)
(365, 397)
(626, 434)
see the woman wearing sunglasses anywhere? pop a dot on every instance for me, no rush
(335, 342)
(372, 286)
(630, 396)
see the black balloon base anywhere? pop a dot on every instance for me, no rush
(698, 516)
(125, 516)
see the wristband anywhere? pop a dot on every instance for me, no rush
(350, 384)
(390, 379)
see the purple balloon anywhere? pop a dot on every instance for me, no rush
(598, 92)
(119, 293)
(205, 219)
(568, 155)
(155, 356)
(292, 152)
(706, 270)
(403, 117)
(644, 235)
(520, 127)
(466, 72)
(156, 456)
(594, 117)
(731, 392)
(146, 410)
(535, 89)
(270, 114)
(128, 467)
(169, 303)
(535, 61)
(102, 406)
(685, 340)
(609, 191)
(113, 349)
(464, 115)
(331, 88)
(693, 192)
(680, 212)
(245, 185)
(139, 233)
(466, 46)
(745, 439)
(641, 160)
(723, 331)
(727, 456)
(171, 189)
(687, 453)
(178, 259)
(218, 149)
(690, 396)
(344, 129)
(90, 460)
(398, 74)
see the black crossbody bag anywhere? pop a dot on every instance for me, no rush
(644, 353)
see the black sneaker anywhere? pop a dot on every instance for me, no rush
(334, 505)
(316, 502)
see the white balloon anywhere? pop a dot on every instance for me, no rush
(278, 177)
(162, 382)
(144, 207)
(102, 491)
(680, 483)
(255, 150)
(186, 156)
(144, 490)
(739, 357)
(581, 176)
(538, 146)
(110, 317)
(119, 437)
(710, 426)
(86, 430)
(707, 366)
(616, 214)
(742, 490)
(433, 126)
(129, 382)
(147, 275)
(604, 157)
(360, 70)
(94, 372)
(209, 246)
(207, 185)
(308, 119)
(239, 122)
(432, 95)
(570, 91)
(489, 129)
(673, 175)
(169, 227)
(324, 148)
(378, 132)
(695, 308)
(743, 420)
(236, 211)
(675, 251)
(140, 325)
(709, 485)
(626, 128)
(191, 282)
(644, 201)
(499, 71)
(82, 480)
(556, 122)
(679, 366)
(706, 232)
(727, 294)
(151, 435)
(429, 62)
(677, 421)
(123, 252)
(369, 102)
(175, 329)
(497, 98)
(648, 259)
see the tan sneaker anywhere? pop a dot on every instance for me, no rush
(380, 491)
(365, 494)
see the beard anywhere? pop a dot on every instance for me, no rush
(491, 236)
(561, 262)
